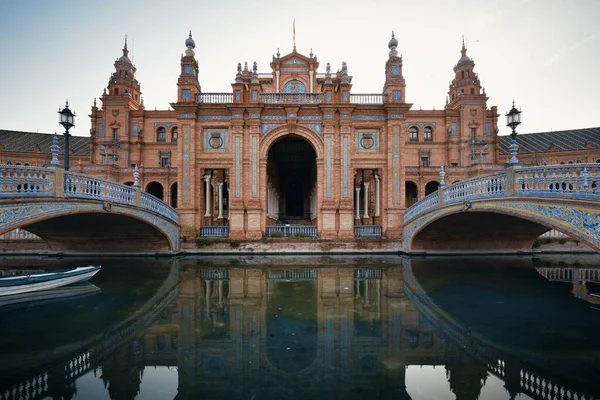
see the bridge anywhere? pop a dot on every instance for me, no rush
(507, 210)
(73, 211)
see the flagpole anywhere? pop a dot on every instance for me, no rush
(294, 34)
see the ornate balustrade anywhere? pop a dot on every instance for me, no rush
(573, 181)
(368, 273)
(421, 207)
(367, 98)
(26, 181)
(90, 187)
(214, 275)
(292, 275)
(291, 230)
(18, 181)
(149, 202)
(368, 231)
(214, 98)
(291, 98)
(214, 231)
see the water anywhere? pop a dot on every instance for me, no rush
(309, 328)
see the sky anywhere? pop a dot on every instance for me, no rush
(543, 54)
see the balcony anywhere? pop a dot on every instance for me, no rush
(369, 98)
(214, 98)
(291, 230)
(368, 231)
(214, 231)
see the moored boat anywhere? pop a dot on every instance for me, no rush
(12, 285)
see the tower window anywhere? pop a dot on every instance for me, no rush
(116, 91)
(174, 135)
(115, 134)
(472, 91)
(413, 134)
(462, 74)
(428, 134)
(161, 134)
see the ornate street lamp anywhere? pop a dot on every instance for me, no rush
(66, 119)
(513, 119)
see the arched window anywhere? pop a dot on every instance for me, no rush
(174, 134)
(161, 134)
(428, 134)
(294, 86)
(413, 134)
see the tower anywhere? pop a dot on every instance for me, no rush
(394, 89)
(188, 86)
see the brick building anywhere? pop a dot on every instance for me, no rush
(295, 146)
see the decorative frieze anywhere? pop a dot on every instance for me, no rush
(419, 124)
(273, 117)
(396, 116)
(368, 118)
(165, 124)
(265, 128)
(315, 127)
(309, 118)
(186, 115)
(214, 117)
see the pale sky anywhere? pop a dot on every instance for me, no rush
(543, 54)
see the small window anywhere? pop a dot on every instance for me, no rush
(413, 134)
(472, 91)
(161, 134)
(115, 133)
(428, 134)
(462, 74)
(116, 91)
(174, 135)
(425, 161)
(165, 162)
(473, 133)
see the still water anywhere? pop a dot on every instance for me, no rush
(309, 328)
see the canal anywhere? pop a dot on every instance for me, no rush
(308, 328)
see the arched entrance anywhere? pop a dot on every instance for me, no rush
(156, 190)
(431, 187)
(291, 182)
(411, 192)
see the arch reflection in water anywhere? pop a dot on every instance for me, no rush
(292, 332)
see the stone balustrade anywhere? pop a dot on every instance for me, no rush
(291, 230)
(214, 98)
(291, 98)
(25, 181)
(573, 181)
(366, 98)
(20, 181)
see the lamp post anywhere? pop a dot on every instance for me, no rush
(513, 119)
(66, 120)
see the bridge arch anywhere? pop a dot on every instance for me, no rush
(502, 225)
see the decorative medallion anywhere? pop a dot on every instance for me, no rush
(215, 139)
(115, 113)
(367, 140)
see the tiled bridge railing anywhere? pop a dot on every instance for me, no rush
(573, 181)
(291, 230)
(19, 181)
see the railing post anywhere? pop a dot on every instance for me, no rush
(512, 178)
(441, 186)
(59, 182)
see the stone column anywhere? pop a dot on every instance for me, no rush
(277, 81)
(357, 216)
(377, 196)
(207, 180)
(366, 195)
(220, 186)
(310, 83)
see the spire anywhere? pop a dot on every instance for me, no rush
(294, 33)
(463, 52)
(190, 45)
(125, 51)
(392, 45)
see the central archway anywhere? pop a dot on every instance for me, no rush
(291, 182)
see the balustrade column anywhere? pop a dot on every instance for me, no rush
(277, 73)
(366, 195)
(207, 180)
(357, 216)
(377, 196)
(220, 186)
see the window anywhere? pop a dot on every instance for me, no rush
(413, 134)
(161, 134)
(473, 133)
(425, 161)
(164, 158)
(165, 162)
(116, 91)
(174, 135)
(428, 134)
(115, 133)
(472, 90)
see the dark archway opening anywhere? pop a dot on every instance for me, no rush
(431, 187)
(291, 181)
(411, 193)
(174, 195)
(156, 190)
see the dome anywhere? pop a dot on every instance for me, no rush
(124, 58)
(463, 59)
(189, 42)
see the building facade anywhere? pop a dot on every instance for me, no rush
(294, 146)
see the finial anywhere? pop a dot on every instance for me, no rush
(245, 65)
(94, 102)
(104, 92)
(442, 176)
(239, 68)
(311, 53)
(294, 33)
(142, 100)
(254, 68)
(328, 69)
(278, 55)
(54, 149)
(136, 177)
(463, 51)
(344, 69)
(125, 51)
(190, 44)
(392, 45)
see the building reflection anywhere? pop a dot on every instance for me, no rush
(290, 332)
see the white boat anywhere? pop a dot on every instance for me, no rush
(12, 285)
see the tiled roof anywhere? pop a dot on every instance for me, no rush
(575, 139)
(28, 141)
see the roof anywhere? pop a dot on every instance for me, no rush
(26, 142)
(541, 142)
